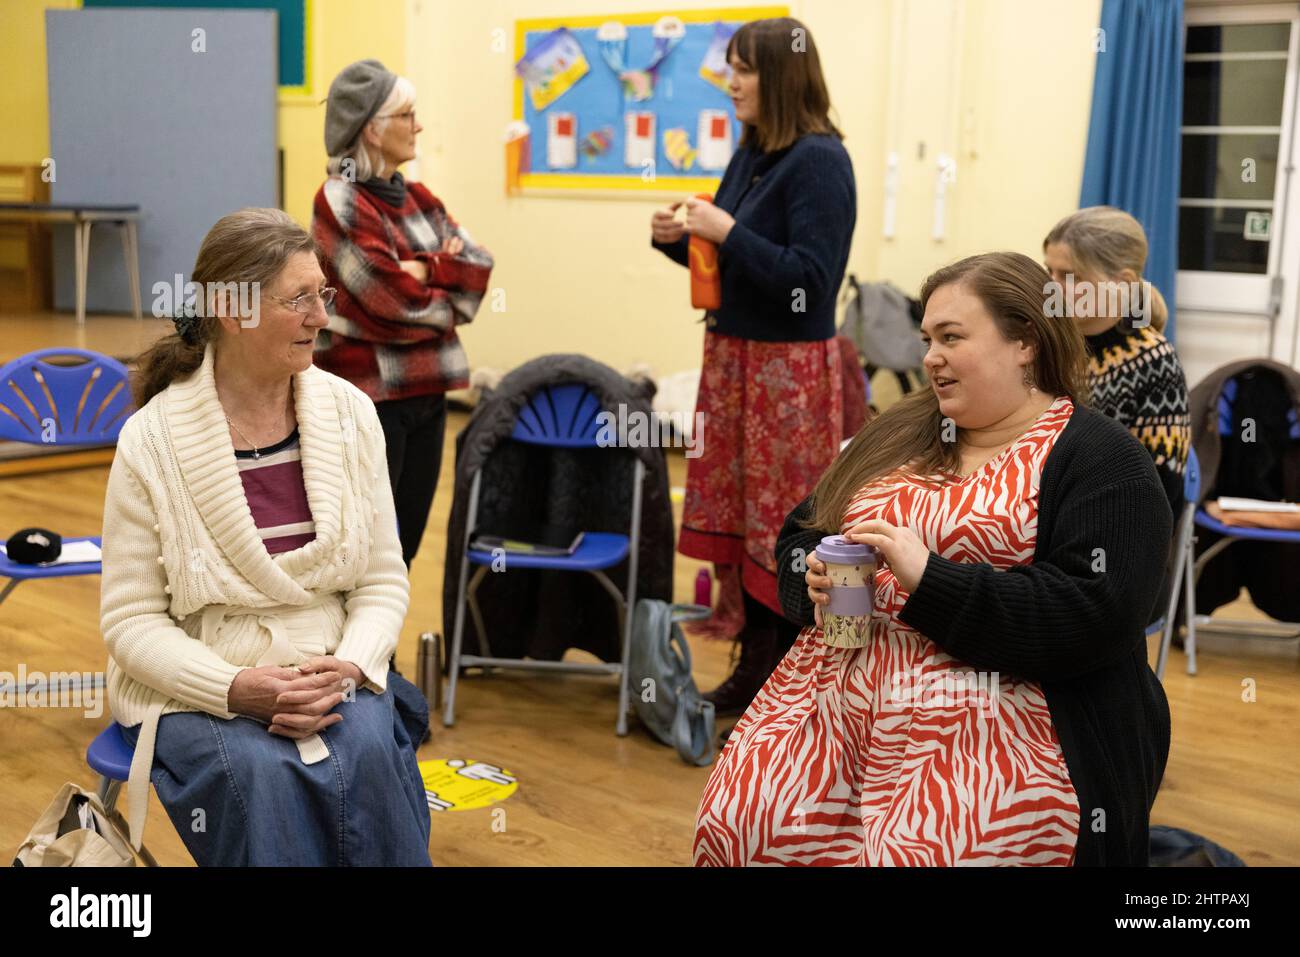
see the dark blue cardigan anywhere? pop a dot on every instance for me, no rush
(794, 211)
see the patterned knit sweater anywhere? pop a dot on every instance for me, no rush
(1137, 379)
(190, 595)
(389, 334)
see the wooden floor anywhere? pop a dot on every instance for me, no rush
(118, 336)
(586, 796)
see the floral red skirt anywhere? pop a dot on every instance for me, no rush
(771, 426)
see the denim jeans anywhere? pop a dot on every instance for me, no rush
(240, 796)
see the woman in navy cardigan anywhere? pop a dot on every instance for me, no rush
(783, 220)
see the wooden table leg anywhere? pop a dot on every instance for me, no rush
(81, 239)
(131, 250)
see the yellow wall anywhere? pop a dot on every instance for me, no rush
(24, 100)
(579, 274)
(342, 31)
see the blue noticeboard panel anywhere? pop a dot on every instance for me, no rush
(597, 99)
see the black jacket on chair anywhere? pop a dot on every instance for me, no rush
(1262, 462)
(1078, 633)
(540, 613)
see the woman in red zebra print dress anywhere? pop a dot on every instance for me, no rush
(899, 753)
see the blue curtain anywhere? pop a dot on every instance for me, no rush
(1134, 156)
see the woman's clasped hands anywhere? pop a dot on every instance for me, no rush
(295, 702)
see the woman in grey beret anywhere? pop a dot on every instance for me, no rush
(407, 274)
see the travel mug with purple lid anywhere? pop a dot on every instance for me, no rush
(846, 621)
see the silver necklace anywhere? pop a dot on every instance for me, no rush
(257, 453)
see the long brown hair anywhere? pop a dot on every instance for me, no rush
(1013, 289)
(251, 245)
(1103, 242)
(792, 96)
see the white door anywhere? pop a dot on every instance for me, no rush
(1239, 205)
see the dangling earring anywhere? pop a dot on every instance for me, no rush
(1029, 382)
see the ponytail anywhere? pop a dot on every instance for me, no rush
(169, 359)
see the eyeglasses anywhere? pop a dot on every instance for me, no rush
(305, 303)
(408, 115)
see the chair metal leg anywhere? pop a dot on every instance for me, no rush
(13, 583)
(471, 599)
(629, 603)
(625, 615)
(1189, 605)
(107, 791)
(453, 661)
(1182, 558)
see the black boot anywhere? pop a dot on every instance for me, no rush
(756, 651)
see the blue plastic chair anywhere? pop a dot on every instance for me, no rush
(1191, 566)
(60, 404)
(559, 416)
(110, 755)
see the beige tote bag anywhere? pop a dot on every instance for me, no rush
(76, 830)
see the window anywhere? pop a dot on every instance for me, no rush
(1234, 85)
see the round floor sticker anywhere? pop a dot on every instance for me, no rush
(460, 784)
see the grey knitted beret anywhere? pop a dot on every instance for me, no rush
(355, 96)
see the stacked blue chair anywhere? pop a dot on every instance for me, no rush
(556, 416)
(45, 404)
(49, 403)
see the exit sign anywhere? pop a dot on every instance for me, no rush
(1259, 226)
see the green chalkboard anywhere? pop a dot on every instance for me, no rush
(293, 28)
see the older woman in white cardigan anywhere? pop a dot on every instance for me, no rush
(253, 587)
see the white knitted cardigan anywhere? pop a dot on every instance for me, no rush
(190, 595)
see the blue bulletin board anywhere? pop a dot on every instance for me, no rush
(598, 102)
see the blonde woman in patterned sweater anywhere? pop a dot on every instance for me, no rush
(253, 586)
(1133, 371)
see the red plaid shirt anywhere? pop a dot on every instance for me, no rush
(389, 334)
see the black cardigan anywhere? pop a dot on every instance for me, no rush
(1079, 633)
(783, 262)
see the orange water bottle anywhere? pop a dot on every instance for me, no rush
(706, 281)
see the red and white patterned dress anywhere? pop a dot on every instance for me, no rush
(896, 753)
